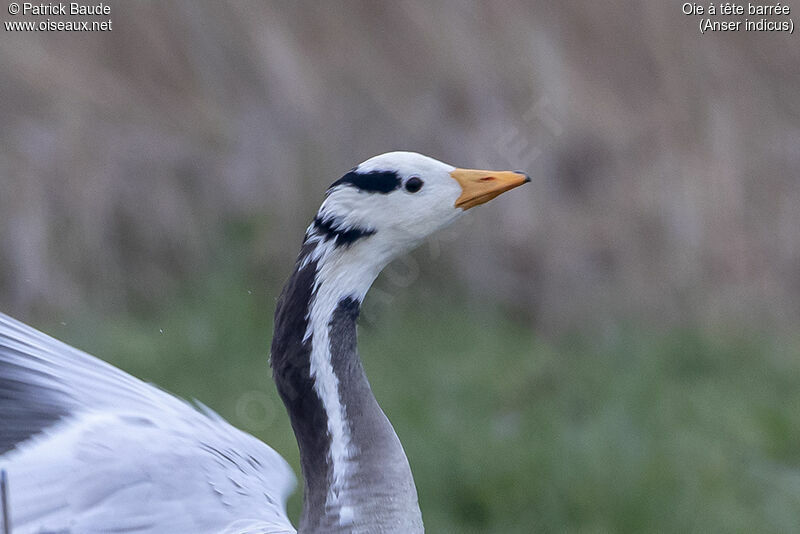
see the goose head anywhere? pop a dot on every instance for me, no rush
(390, 203)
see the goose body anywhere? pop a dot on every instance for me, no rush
(88, 448)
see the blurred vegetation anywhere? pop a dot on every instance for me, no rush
(506, 431)
(666, 163)
(612, 348)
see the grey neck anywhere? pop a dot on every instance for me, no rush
(356, 474)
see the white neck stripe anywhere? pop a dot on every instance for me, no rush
(335, 280)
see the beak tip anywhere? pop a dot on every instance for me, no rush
(525, 174)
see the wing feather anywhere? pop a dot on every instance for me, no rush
(89, 448)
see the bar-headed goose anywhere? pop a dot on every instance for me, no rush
(89, 449)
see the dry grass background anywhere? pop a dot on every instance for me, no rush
(666, 163)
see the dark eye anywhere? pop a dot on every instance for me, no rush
(414, 184)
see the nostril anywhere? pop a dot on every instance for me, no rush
(487, 179)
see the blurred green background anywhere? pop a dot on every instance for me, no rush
(613, 348)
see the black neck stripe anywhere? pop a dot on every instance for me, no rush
(329, 229)
(372, 182)
(291, 369)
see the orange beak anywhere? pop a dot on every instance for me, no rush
(482, 186)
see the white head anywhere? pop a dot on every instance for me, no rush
(391, 202)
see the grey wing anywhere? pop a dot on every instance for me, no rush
(89, 448)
